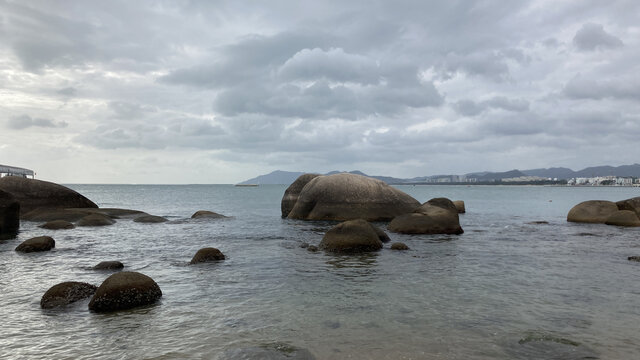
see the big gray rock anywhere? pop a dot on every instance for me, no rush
(293, 191)
(351, 236)
(436, 216)
(125, 290)
(592, 211)
(349, 196)
(9, 215)
(66, 293)
(40, 243)
(33, 194)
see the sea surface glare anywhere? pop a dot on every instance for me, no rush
(505, 289)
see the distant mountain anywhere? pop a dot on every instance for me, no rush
(559, 172)
(497, 176)
(564, 173)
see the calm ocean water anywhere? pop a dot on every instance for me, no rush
(505, 289)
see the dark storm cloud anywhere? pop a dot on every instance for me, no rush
(25, 121)
(593, 37)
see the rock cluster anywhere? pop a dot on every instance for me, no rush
(621, 213)
(436, 216)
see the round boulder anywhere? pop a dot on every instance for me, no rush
(125, 290)
(436, 216)
(293, 191)
(65, 293)
(40, 243)
(109, 265)
(623, 218)
(349, 196)
(57, 225)
(95, 220)
(204, 214)
(150, 219)
(399, 246)
(351, 236)
(592, 211)
(632, 204)
(9, 215)
(33, 194)
(459, 204)
(206, 255)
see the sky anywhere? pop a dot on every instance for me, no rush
(184, 92)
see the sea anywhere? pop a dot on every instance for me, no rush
(520, 283)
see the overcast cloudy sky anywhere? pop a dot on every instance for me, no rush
(218, 92)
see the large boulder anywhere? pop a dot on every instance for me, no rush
(40, 243)
(33, 194)
(351, 236)
(349, 196)
(57, 225)
(436, 216)
(125, 290)
(206, 255)
(592, 211)
(632, 204)
(96, 220)
(9, 215)
(66, 293)
(206, 214)
(623, 218)
(293, 191)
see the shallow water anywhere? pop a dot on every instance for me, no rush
(505, 289)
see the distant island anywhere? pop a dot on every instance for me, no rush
(625, 175)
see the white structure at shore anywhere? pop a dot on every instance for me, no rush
(605, 181)
(6, 170)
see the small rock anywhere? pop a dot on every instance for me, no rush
(312, 248)
(304, 245)
(204, 214)
(634, 258)
(206, 255)
(459, 204)
(96, 220)
(109, 265)
(150, 219)
(57, 225)
(539, 222)
(125, 290)
(40, 243)
(351, 236)
(399, 246)
(65, 293)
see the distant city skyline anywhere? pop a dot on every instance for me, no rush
(218, 92)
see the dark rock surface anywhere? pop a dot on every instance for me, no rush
(66, 293)
(399, 246)
(436, 216)
(9, 215)
(632, 204)
(205, 214)
(57, 225)
(206, 255)
(293, 191)
(623, 218)
(109, 265)
(95, 220)
(150, 219)
(125, 290)
(40, 243)
(351, 236)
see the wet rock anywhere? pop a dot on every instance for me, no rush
(399, 246)
(46, 215)
(304, 245)
(349, 196)
(57, 225)
(206, 255)
(459, 204)
(109, 265)
(312, 248)
(632, 204)
(351, 236)
(125, 290)
(436, 216)
(33, 194)
(96, 220)
(381, 234)
(204, 214)
(539, 222)
(623, 218)
(293, 191)
(9, 215)
(276, 351)
(66, 293)
(40, 243)
(634, 258)
(592, 211)
(150, 219)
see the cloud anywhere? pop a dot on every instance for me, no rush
(25, 121)
(468, 107)
(592, 37)
(580, 87)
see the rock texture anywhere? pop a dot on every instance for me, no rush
(40, 243)
(33, 194)
(9, 215)
(632, 204)
(206, 255)
(349, 196)
(623, 218)
(436, 216)
(125, 290)
(57, 225)
(66, 293)
(150, 219)
(293, 191)
(351, 236)
(592, 211)
(399, 246)
(459, 204)
(95, 220)
(205, 214)
(109, 265)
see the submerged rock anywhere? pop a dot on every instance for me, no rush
(206, 255)
(592, 211)
(351, 236)
(109, 265)
(96, 220)
(57, 225)
(349, 196)
(293, 191)
(66, 293)
(150, 219)
(623, 218)
(312, 248)
(125, 290)
(399, 246)
(275, 351)
(33, 194)
(40, 243)
(205, 214)
(9, 215)
(436, 216)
